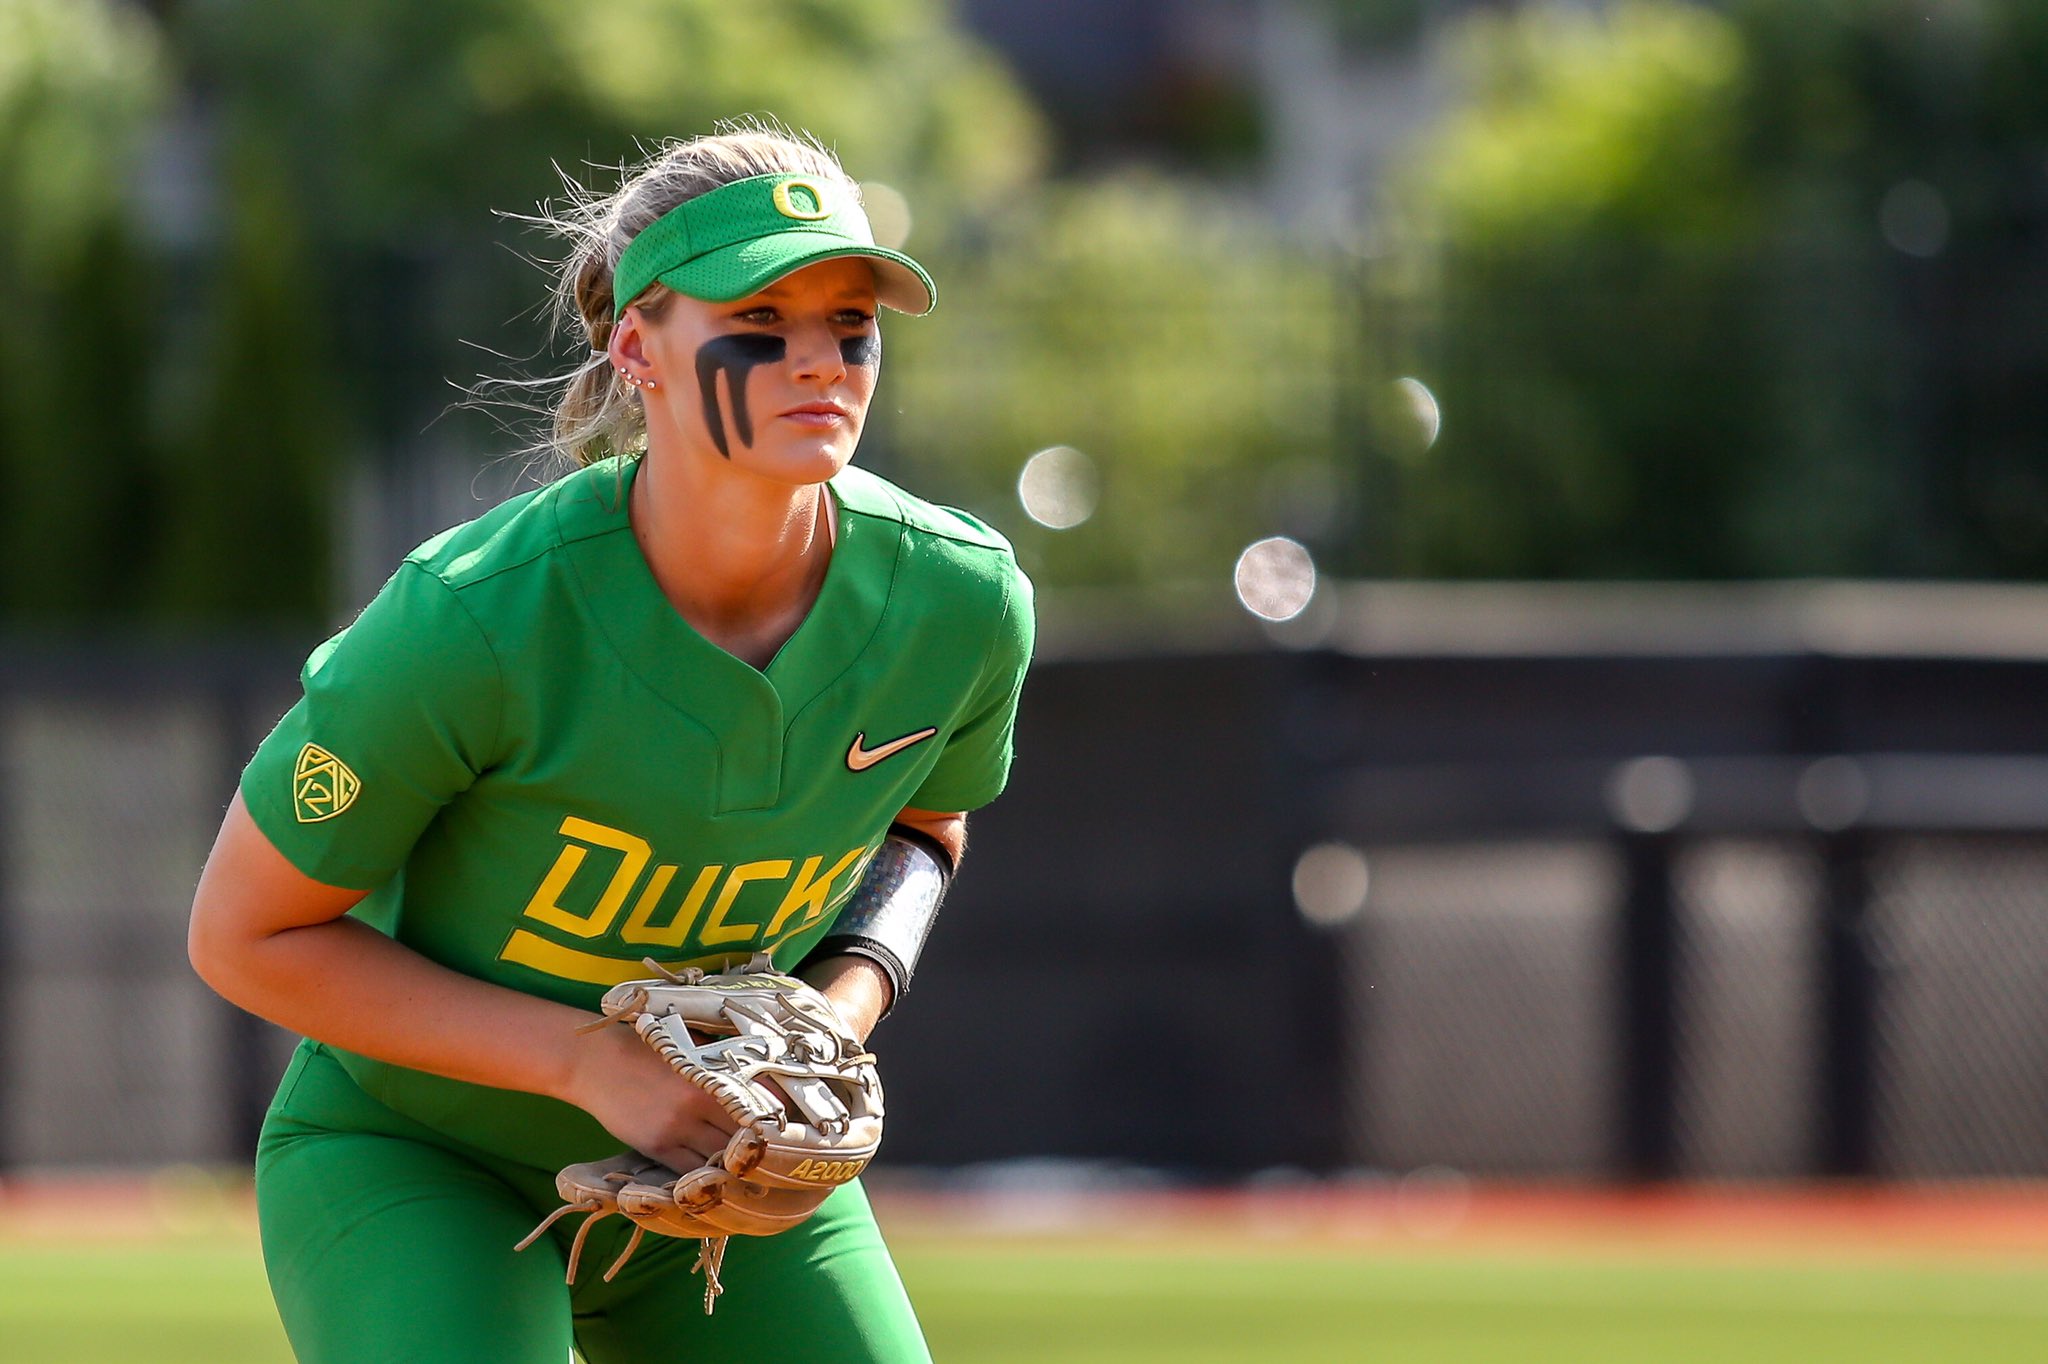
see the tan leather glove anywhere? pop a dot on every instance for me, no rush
(778, 1058)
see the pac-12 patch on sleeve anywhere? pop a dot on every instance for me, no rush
(322, 785)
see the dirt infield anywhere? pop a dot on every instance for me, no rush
(1436, 1209)
(1422, 1210)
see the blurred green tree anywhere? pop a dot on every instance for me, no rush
(398, 129)
(180, 399)
(79, 82)
(1376, 23)
(399, 124)
(1189, 353)
(1904, 149)
(1094, 315)
(257, 434)
(1736, 293)
(1590, 232)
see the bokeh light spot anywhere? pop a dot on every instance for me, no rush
(1275, 578)
(1650, 795)
(1833, 793)
(1433, 1201)
(1058, 487)
(1330, 884)
(1914, 218)
(1422, 406)
(888, 213)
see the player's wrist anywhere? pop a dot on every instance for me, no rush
(591, 1064)
(856, 986)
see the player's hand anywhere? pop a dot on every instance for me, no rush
(620, 1081)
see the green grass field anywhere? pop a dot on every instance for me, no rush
(200, 1299)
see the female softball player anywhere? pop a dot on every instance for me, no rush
(713, 693)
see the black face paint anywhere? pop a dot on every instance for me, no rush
(865, 349)
(736, 356)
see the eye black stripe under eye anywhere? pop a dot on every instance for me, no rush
(865, 349)
(736, 355)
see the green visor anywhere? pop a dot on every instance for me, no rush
(746, 235)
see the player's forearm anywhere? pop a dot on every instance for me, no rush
(346, 984)
(857, 987)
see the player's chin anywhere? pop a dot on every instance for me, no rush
(806, 457)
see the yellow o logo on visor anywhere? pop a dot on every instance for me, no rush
(804, 200)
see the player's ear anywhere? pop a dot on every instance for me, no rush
(628, 345)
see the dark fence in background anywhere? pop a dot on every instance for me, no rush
(115, 764)
(1680, 886)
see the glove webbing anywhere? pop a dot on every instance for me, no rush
(742, 1103)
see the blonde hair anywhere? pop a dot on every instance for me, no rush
(596, 413)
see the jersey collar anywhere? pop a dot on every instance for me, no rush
(748, 712)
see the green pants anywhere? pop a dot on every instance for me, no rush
(387, 1242)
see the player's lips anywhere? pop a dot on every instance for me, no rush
(819, 414)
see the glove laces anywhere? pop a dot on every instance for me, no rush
(710, 1249)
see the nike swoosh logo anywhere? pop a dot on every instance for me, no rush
(861, 759)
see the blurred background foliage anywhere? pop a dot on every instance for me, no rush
(1591, 234)
(189, 384)
(1193, 355)
(1749, 289)
(79, 84)
(1735, 292)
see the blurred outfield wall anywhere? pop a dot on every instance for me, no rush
(1809, 933)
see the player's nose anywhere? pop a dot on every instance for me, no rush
(815, 355)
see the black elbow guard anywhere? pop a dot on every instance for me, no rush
(891, 911)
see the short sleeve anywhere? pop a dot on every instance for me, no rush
(400, 713)
(974, 766)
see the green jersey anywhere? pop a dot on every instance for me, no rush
(542, 774)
